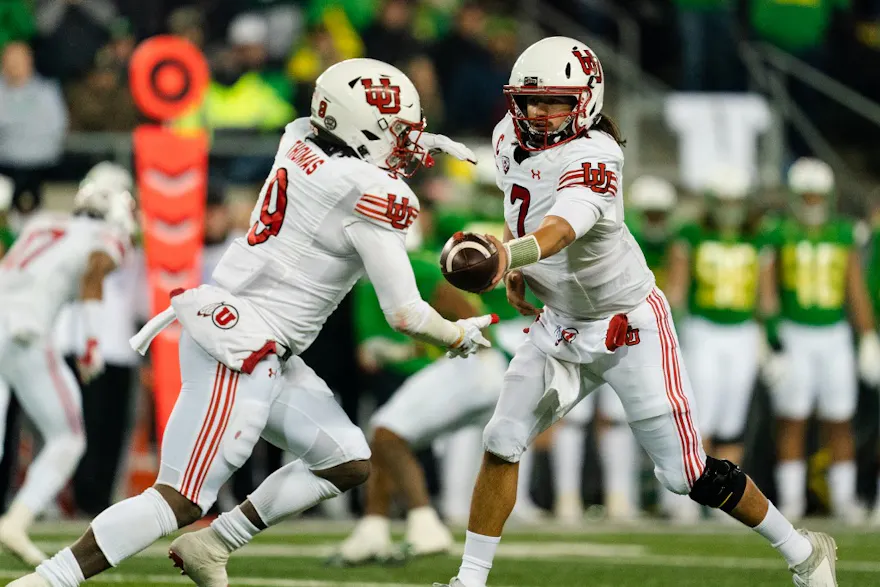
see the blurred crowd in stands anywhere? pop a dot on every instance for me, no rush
(64, 62)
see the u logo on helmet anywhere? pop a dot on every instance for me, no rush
(385, 97)
(589, 64)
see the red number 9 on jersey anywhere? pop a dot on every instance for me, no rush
(273, 220)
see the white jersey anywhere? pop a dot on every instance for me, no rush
(44, 268)
(604, 271)
(296, 263)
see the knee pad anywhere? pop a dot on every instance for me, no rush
(506, 439)
(721, 485)
(126, 528)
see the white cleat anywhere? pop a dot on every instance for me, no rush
(819, 569)
(425, 534)
(201, 556)
(370, 541)
(526, 512)
(454, 582)
(853, 514)
(32, 580)
(14, 539)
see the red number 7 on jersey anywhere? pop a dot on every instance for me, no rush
(273, 220)
(518, 192)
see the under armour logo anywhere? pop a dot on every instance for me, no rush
(272, 372)
(536, 174)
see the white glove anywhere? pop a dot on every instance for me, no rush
(435, 143)
(472, 338)
(773, 370)
(91, 363)
(869, 359)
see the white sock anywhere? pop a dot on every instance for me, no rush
(479, 551)
(620, 461)
(126, 528)
(460, 465)
(61, 570)
(567, 458)
(51, 470)
(290, 490)
(234, 529)
(783, 537)
(791, 479)
(524, 482)
(842, 486)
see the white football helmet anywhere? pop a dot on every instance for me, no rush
(110, 175)
(7, 189)
(812, 182)
(373, 108)
(555, 66)
(728, 189)
(104, 193)
(649, 193)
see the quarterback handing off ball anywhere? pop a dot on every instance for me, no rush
(469, 261)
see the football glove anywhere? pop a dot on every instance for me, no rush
(91, 363)
(869, 359)
(434, 143)
(472, 338)
(772, 365)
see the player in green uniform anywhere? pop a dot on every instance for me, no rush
(6, 235)
(874, 291)
(652, 199)
(713, 278)
(436, 397)
(819, 278)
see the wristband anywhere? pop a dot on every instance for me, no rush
(522, 251)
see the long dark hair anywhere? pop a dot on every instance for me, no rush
(606, 124)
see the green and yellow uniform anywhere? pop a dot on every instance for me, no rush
(874, 270)
(656, 251)
(812, 264)
(724, 274)
(6, 239)
(370, 322)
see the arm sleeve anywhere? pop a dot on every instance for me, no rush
(587, 189)
(383, 253)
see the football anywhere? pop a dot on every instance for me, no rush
(469, 261)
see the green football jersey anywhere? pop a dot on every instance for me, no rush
(656, 251)
(874, 270)
(812, 264)
(370, 322)
(724, 274)
(6, 239)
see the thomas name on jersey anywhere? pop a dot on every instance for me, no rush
(304, 158)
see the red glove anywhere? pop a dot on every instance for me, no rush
(91, 363)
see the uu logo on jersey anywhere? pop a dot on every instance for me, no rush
(565, 334)
(222, 315)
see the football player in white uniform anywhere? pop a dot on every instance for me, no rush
(333, 206)
(57, 259)
(604, 321)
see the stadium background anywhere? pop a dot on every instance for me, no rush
(811, 79)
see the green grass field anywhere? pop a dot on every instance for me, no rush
(647, 555)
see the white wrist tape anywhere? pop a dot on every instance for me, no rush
(522, 251)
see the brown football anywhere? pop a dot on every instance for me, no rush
(469, 261)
